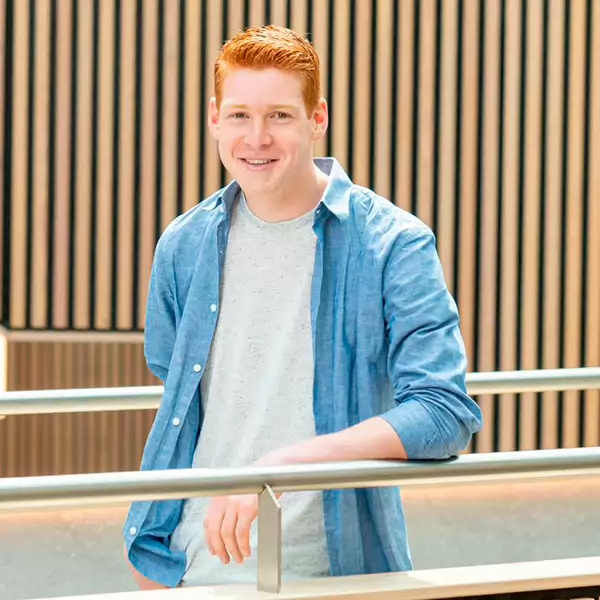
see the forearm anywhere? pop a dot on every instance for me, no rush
(374, 439)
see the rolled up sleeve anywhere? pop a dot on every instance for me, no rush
(434, 417)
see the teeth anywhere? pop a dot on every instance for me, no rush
(258, 162)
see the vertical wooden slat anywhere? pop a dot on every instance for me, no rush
(426, 110)
(592, 323)
(192, 103)
(235, 18)
(212, 162)
(298, 16)
(62, 149)
(572, 313)
(447, 168)
(489, 218)
(278, 12)
(148, 152)
(4, 255)
(105, 221)
(362, 92)
(83, 166)
(41, 125)
(18, 213)
(257, 13)
(530, 267)
(339, 108)
(170, 113)
(126, 166)
(467, 284)
(552, 202)
(509, 223)
(404, 133)
(320, 31)
(383, 109)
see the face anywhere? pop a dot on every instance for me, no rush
(264, 133)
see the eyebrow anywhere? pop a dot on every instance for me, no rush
(270, 106)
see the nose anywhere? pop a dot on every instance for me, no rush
(258, 135)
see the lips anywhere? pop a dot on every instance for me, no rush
(257, 162)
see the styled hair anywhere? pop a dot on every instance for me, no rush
(271, 47)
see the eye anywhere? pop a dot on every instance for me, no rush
(238, 115)
(279, 115)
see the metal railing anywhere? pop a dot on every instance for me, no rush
(110, 488)
(148, 397)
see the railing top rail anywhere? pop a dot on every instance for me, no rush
(110, 488)
(148, 397)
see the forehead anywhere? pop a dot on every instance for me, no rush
(261, 87)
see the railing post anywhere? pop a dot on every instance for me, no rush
(269, 542)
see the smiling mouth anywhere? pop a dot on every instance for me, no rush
(259, 161)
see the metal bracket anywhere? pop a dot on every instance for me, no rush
(269, 542)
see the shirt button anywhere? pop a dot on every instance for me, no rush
(133, 530)
(213, 308)
(197, 368)
(176, 422)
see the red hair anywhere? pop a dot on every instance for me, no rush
(272, 47)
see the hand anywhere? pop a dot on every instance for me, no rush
(227, 526)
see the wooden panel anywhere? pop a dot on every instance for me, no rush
(211, 174)
(4, 255)
(447, 167)
(40, 179)
(552, 203)
(18, 215)
(592, 269)
(341, 82)
(74, 443)
(148, 157)
(192, 103)
(169, 113)
(83, 167)
(382, 112)
(105, 219)
(489, 215)
(506, 319)
(404, 132)
(489, 135)
(63, 167)
(360, 122)
(466, 260)
(531, 206)
(571, 317)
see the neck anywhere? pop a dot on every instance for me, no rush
(296, 200)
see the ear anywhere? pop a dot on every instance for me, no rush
(320, 120)
(213, 118)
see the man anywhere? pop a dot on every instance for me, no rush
(293, 317)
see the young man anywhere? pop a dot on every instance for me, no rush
(293, 317)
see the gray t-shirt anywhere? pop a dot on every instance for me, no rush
(257, 390)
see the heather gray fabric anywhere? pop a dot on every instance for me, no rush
(257, 390)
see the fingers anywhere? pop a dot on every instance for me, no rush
(227, 528)
(228, 533)
(242, 532)
(213, 523)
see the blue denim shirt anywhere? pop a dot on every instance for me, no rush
(386, 342)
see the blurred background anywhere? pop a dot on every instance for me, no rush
(482, 117)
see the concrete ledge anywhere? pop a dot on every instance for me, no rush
(417, 585)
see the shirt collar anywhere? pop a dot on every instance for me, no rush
(336, 197)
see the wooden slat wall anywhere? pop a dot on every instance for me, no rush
(74, 443)
(483, 118)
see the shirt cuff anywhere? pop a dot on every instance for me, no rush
(416, 429)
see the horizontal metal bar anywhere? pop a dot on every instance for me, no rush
(110, 488)
(148, 397)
